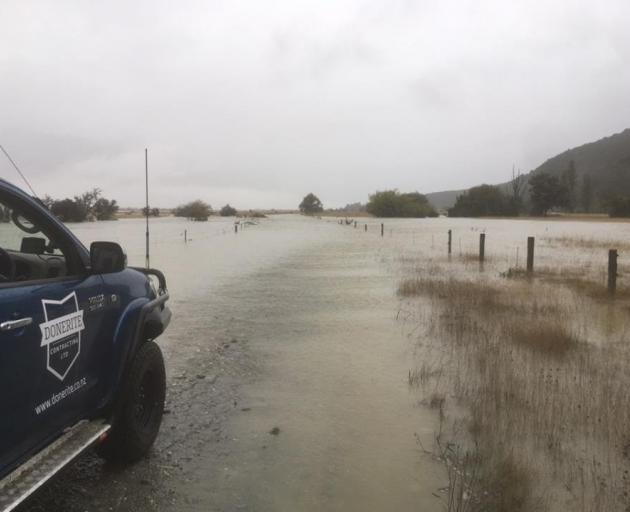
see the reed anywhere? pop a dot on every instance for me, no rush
(541, 373)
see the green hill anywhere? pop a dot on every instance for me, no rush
(606, 162)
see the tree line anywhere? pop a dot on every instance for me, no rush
(386, 203)
(200, 210)
(90, 205)
(537, 195)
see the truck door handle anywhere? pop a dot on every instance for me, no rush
(9, 325)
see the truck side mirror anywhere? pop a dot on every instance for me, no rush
(107, 258)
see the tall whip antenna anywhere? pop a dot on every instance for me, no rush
(17, 169)
(146, 179)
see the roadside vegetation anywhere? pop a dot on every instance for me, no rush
(529, 377)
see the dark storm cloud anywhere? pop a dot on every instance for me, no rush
(257, 103)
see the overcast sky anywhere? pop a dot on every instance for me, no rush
(257, 103)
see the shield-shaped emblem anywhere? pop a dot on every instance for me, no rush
(61, 334)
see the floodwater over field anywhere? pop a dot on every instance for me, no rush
(322, 418)
(299, 380)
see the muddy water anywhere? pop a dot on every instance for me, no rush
(287, 371)
(321, 417)
(328, 424)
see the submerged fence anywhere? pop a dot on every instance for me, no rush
(612, 269)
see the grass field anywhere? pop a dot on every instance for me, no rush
(530, 377)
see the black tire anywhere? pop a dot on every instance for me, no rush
(138, 422)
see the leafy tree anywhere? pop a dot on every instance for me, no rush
(391, 203)
(483, 201)
(104, 209)
(47, 201)
(197, 210)
(228, 211)
(547, 192)
(311, 204)
(69, 210)
(79, 209)
(88, 200)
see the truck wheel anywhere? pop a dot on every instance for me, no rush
(136, 427)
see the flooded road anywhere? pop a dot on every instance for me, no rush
(327, 423)
(287, 378)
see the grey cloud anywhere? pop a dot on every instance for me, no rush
(258, 103)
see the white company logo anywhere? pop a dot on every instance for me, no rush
(61, 334)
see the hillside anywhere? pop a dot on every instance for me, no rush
(445, 199)
(606, 161)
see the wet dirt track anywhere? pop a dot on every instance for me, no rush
(286, 391)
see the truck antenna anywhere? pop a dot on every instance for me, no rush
(146, 179)
(18, 170)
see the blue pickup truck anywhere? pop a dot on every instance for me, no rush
(79, 365)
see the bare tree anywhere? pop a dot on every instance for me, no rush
(517, 185)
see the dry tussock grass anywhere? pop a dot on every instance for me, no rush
(585, 243)
(553, 339)
(580, 280)
(556, 405)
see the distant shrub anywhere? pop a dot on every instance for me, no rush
(68, 210)
(391, 203)
(153, 212)
(88, 206)
(227, 211)
(105, 209)
(197, 210)
(483, 201)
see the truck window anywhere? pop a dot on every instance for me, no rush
(27, 252)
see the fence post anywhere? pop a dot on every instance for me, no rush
(185, 236)
(235, 228)
(530, 254)
(450, 241)
(612, 271)
(365, 226)
(482, 247)
(382, 229)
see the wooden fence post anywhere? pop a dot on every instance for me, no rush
(450, 241)
(185, 236)
(612, 271)
(382, 229)
(235, 228)
(530, 254)
(482, 247)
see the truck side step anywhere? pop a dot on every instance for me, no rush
(30, 476)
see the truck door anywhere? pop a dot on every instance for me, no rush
(50, 314)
